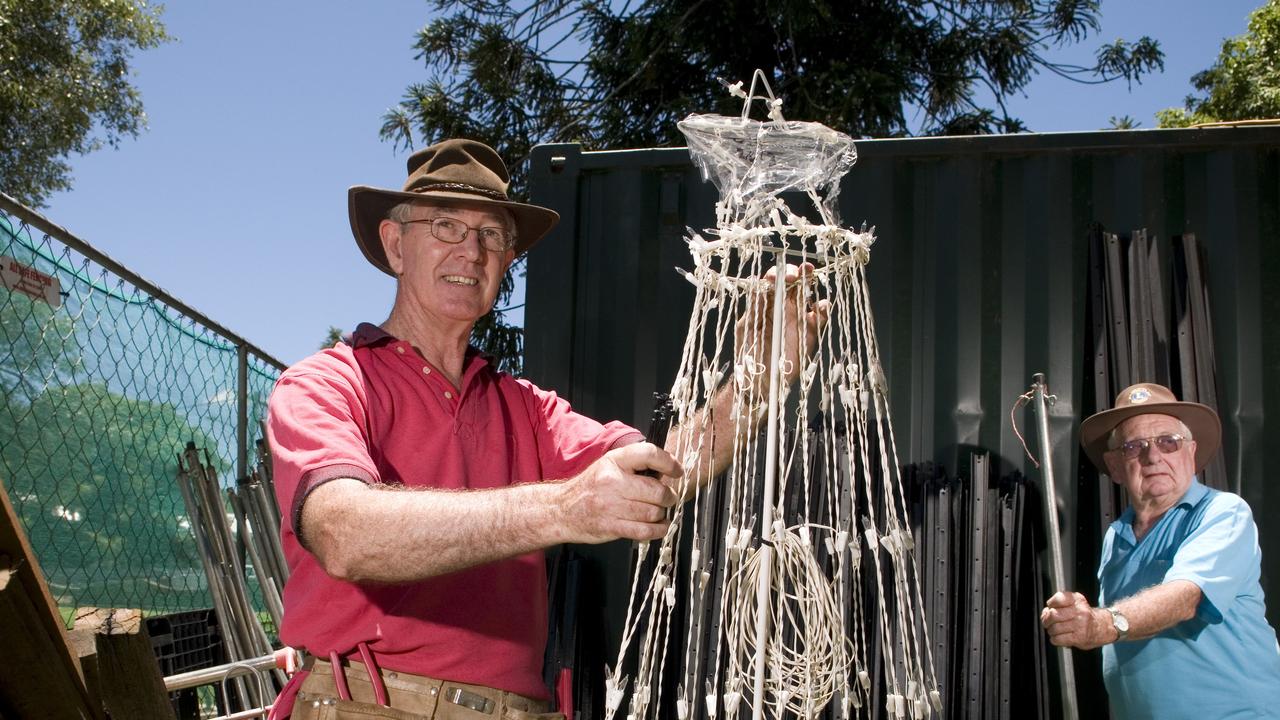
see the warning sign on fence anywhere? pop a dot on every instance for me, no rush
(30, 281)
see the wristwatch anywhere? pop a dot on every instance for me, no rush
(1120, 622)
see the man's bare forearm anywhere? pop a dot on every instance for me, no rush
(1071, 621)
(1159, 608)
(363, 533)
(712, 429)
(376, 534)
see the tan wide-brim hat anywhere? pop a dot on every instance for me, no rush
(1152, 399)
(452, 172)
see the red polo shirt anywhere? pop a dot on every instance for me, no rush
(377, 412)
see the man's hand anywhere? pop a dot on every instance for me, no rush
(612, 500)
(754, 330)
(1072, 622)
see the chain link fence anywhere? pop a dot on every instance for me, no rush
(105, 379)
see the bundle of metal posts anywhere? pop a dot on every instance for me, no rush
(258, 516)
(977, 538)
(1149, 321)
(243, 634)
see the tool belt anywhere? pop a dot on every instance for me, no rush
(353, 693)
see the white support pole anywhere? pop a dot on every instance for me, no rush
(763, 599)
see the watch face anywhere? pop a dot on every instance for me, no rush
(1121, 622)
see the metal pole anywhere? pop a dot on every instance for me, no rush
(770, 471)
(242, 412)
(215, 674)
(1066, 670)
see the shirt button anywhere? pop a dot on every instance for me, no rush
(448, 395)
(400, 349)
(426, 371)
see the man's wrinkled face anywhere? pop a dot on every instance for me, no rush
(448, 281)
(1153, 478)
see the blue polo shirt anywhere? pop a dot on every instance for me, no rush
(1223, 663)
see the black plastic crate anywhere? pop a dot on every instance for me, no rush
(183, 642)
(186, 641)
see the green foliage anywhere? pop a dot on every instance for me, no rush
(90, 471)
(1124, 122)
(515, 73)
(493, 335)
(37, 343)
(92, 476)
(333, 337)
(615, 75)
(1244, 83)
(37, 346)
(65, 85)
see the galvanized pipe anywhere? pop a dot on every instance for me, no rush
(246, 714)
(221, 673)
(1066, 671)
(242, 411)
(210, 675)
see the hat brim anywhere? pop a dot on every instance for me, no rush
(368, 207)
(1201, 420)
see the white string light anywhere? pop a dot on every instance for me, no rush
(785, 570)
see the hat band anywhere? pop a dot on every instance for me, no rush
(461, 187)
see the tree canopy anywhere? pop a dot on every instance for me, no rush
(1244, 83)
(613, 75)
(515, 73)
(65, 85)
(92, 472)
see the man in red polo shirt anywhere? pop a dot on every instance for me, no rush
(420, 486)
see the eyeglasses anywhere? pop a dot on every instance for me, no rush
(1167, 444)
(447, 229)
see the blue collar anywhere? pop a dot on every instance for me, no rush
(1194, 494)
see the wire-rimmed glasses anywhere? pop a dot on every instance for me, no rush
(454, 231)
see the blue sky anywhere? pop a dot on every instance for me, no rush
(261, 115)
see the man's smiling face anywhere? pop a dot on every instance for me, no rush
(456, 282)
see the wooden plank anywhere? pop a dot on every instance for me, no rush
(32, 681)
(39, 674)
(86, 650)
(128, 675)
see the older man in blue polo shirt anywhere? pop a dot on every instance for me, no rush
(1180, 617)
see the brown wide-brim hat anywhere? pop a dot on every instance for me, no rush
(1152, 399)
(453, 172)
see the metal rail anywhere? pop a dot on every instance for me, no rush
(206, 676)
(220, 674)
